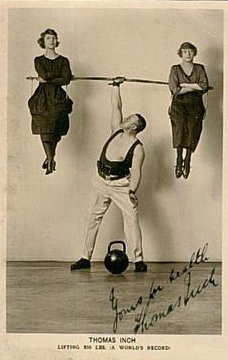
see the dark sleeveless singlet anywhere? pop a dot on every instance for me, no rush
(117, 169)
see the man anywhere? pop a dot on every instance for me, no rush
(119, 175)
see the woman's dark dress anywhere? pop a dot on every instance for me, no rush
(187, 110)
(50, 105)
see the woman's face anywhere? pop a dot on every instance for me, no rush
(50, 41)
(187, 55)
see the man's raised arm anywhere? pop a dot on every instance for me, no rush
(117, 115)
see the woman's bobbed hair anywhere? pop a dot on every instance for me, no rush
(42, 35)
(187, 45)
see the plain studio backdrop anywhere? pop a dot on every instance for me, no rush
(47, 214)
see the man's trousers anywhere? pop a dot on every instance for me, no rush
(106, 192)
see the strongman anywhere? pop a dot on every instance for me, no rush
(118, 177)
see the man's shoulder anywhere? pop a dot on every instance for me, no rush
(138, 141)
(139, 147)
(116, 131)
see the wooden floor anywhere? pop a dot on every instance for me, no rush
(45, 297)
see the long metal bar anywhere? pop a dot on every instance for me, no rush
(102, 78)
(107, 79)
(92, 78)
(111, 79)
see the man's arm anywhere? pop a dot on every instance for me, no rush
(116, 101)
(136, 172)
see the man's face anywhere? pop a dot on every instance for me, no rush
(130, 122)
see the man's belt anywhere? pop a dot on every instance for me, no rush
(106, 172)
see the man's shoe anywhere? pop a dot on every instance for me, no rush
(80, 264)
(140, 266)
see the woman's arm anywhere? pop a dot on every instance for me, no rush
(51, 78)
(203, 79)
(65, 77)
(42, 74)
(174, 85)
(201, 85)
(189, 87)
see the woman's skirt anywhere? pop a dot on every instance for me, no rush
(49, 107)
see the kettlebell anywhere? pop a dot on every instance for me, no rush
(116, 261)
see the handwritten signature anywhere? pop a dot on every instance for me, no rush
(143, 319)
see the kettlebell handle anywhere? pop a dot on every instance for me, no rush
(117, 242)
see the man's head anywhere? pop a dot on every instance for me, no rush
(134, 123)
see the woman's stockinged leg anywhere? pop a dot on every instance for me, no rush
(179, 162)
(49, 163)
(53, 148)
(179, 154)
(54, 145)
(48, 149)
(187, 161)
(188, 154)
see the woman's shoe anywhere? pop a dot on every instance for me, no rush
(53, 165)
(186, 169)
(44, 165)
(50, 167)
(179, 169)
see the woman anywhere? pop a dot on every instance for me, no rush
(50, 105)
(187, 82)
